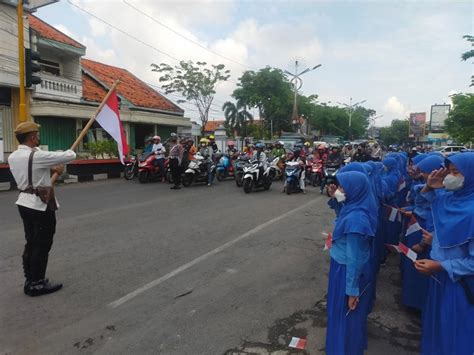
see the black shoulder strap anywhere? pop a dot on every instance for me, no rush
(30, 169)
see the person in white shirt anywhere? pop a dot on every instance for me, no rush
(39, 216)
(159, 150)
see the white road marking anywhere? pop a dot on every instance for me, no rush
(203, 257)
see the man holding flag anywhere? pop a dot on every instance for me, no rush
(31, 169)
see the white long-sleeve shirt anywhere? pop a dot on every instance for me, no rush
(159, 150)
(43, 161)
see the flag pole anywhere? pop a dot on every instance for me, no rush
(92, 119)
(89, 124)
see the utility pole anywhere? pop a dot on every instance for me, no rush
(297, 83)
(21, 62)
(350, 109)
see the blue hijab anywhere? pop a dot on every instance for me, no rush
(430, 163)
(376, 169)
(392, 176)
(355, 214)
(419, 158)
(354, 166)
(453, 211)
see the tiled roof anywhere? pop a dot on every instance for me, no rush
(211, 126)
(49, 32)
(130, 87)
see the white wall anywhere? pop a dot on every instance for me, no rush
(9, 45)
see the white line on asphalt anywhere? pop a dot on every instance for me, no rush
(203, 257)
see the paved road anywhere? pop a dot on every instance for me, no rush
(201, 270)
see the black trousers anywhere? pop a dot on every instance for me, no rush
(175, 171)
(39, 231)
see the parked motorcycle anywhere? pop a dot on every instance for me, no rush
(224, 168)
(292, 176)
(131, 168)
(329, 176)
(255, 176)
(197, 171)
(149, 171)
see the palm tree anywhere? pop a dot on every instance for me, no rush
(237, 117)
(469, 54)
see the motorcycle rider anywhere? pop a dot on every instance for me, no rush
(231, 150)
(347, 151)
(376, 152)
(320, 154)
(159, 150)
(335, 157)
(306, 149)
(148, 148)
(260, 157)
(279, 150)
(213, 144)
(207, 153)
(291, 157)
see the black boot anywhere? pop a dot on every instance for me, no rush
(42, 287)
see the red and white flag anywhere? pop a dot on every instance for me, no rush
(401, 184)
(297, 343)
(109, 120)
(410, 254)
(328, 243)
(413, 226)
(392, 213)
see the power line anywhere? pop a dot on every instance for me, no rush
(183, 36)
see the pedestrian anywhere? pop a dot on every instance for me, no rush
(175, 158)
(349, 272)
(448, 318)
(376, 153)
(31, 168)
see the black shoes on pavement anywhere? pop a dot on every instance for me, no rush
(39, 288)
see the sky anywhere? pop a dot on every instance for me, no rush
(399, 56)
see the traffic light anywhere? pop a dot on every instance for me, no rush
(31, 67)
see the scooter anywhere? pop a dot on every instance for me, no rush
(224, 168)
(292, 175)
(256, 177)
(240, 163)
(317, 173)
(149, 171)
(275, 164)
(131, 168)
(329, 176)
(197, 171)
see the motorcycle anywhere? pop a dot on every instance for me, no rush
(149, 171)
(292, 175)
(317, 173)
(224, 168)
(131, 168)
(329, 176)
(276, 164)
(256, 177)
(240, 163)
(197, 171)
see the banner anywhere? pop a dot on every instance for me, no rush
(439, 114)
(417, 124)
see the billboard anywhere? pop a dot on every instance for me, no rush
(417, 124)
(439, 114)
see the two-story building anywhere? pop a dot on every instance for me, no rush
(72, 87)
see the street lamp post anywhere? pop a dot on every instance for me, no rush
(373, 124)
(350, 109)
(297, 83)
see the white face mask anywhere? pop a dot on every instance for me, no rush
(340, 196)
(453, 183)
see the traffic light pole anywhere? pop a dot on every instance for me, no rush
(21, 63)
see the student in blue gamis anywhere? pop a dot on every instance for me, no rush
(350, 270)
(448, 318)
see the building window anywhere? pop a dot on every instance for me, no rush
(49, 67)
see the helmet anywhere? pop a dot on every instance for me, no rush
(307, 144)
(230, 143)
(212, 136)
(260, 145)
(204, 140)
(298, 145)
(156, 137)
(322, 147)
